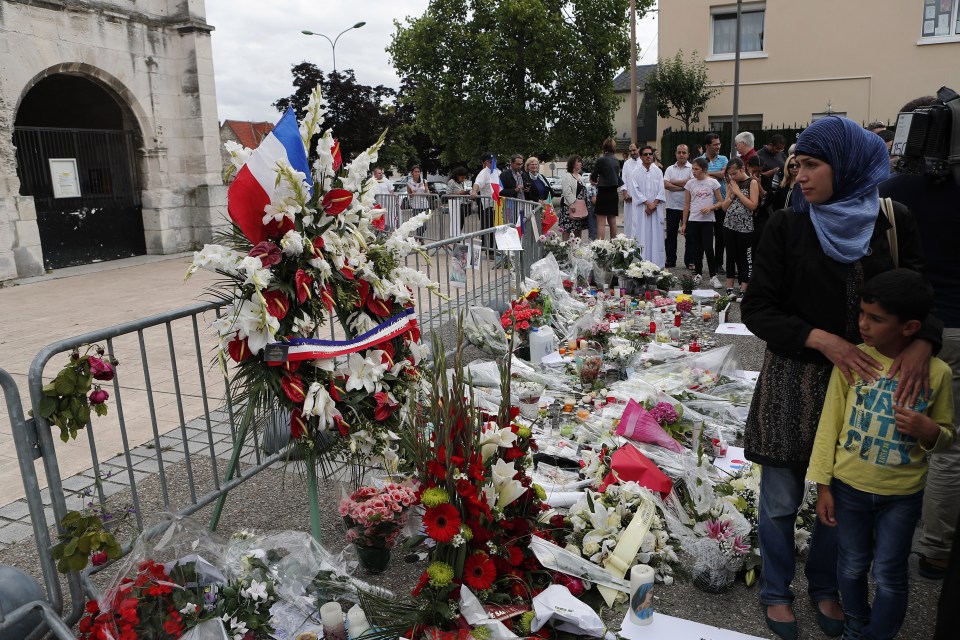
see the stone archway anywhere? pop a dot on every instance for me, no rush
(76, 137)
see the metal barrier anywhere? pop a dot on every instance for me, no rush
(155, 396)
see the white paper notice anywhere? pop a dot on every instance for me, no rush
(697, 293)
(749, 376)
(508, 239)
(733, 462)
(664, 626)
(734, 329)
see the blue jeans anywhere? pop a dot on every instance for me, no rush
(781, 494)
(877, 529)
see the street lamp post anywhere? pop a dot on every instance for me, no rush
(333, 43)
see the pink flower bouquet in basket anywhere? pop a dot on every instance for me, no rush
(375, 517)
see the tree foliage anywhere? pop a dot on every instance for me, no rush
(679, 87)
(529, 76)
(359, 113)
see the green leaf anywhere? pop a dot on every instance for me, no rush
(48, 406)
(77, 562)
(64, 384)
(83, 413)
(100, 409)
(71, 547)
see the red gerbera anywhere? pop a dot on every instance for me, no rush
(479, 572)
(442, 522)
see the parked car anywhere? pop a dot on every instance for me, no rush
(556, 186)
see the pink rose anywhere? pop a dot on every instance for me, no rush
(99, 369)
(98, 396)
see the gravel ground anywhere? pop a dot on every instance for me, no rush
(276, 499)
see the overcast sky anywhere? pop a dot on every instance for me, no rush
(255, 43)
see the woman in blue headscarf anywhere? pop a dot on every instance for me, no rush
(803, 300)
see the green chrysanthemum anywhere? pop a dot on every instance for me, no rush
(523, 432)
(434, 496)
(480, 633)
(523, 624)
(541, 494)
(440, 574)
(466, 532)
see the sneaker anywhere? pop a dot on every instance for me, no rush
(715, 282)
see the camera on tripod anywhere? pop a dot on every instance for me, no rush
(927, 140)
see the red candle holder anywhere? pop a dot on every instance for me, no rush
(653, 328)
(647, 295)
(676, 319)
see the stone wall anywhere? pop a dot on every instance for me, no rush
(155, 57)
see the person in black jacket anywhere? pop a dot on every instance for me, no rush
(803, 301)
(606, 172)
(512, 179)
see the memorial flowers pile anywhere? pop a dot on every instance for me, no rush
(554, 244)
(525, 312)
(306, 256)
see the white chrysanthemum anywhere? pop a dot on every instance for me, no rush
(292, 243)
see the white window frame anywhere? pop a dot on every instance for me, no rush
(930, 8)
(725, 10)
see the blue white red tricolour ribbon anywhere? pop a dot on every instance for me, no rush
(310, 349)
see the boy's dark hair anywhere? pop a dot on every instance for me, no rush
(902, 292)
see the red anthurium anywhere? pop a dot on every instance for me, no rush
(335, 390)
(341, 425)
(379, 306)
(268, 252)
(363, 290)
(347, 273)
(379, 223)
(277, 303)
(388, 353)
(317, 245)
(326, 296)
(303, 285)
(277, 229)
(294, 387)
(336, 201)
(335, 152)
(298, 424)
(238, 349)
(385, 408)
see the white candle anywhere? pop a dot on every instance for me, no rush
(331, 615)
(357, 622)
(641, 594)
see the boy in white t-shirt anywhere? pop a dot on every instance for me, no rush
(701, 198)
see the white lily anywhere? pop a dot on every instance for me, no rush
(493, 438)
(507, 488)
(319, 403)
(365, 373)
(256, 591)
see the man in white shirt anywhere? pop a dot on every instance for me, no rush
(648, 196)
(383, 183)
(630, 208)
(483, 187)
(674, 178)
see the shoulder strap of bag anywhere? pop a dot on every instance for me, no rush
(886, 205)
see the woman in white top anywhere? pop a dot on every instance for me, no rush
(701, 199)
(418, 189)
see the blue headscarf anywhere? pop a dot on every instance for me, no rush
(860, 162)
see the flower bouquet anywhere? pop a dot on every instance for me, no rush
(625, 252)
(483, 329)
(480, 509)
(603, 253)
(554, 244)
(309, 257)
(525, 312)
(75, 394)
(374, 519)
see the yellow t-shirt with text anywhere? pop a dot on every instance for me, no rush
(857, 440)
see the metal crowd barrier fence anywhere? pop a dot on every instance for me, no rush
(172, 417)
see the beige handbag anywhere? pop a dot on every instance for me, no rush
(886, 205)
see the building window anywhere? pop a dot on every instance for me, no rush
(941, 18)
(724, 20)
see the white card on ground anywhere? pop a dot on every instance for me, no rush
(508, 239)
(697, 293)
(733, 462)
(733, 329)
(554, 358)
(664, 626)
(749, 376)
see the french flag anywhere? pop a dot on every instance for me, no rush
(254, 185)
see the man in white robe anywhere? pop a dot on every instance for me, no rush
(649, 198)
(630, 165)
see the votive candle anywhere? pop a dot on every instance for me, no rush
(331, 615)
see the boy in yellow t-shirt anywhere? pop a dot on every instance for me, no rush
(870, 457)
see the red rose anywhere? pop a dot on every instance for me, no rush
(99, 558)
(294, 388)
(99, 396)
(268, 252)
(512, 454)
(99, 369)
(335, 152)
(238, 350)
(336, 201)
(303, 285)
(298, 425)
(277, 303)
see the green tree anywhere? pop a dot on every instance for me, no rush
(680, 87)
(528, 76)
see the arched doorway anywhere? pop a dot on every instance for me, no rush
(75, 155)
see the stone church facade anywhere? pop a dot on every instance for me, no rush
(109, 139)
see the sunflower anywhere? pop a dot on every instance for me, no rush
(479, 572)
(442, 522)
